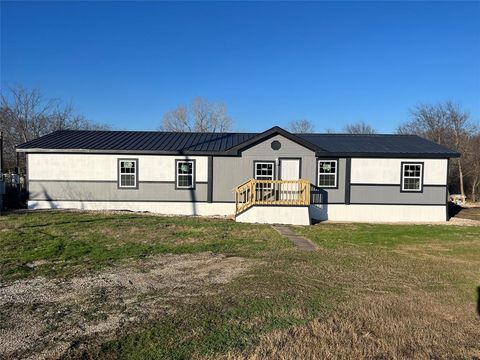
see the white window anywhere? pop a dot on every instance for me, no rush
(127, 173)
(185, 171)
(412, 177)
(264, 170)
(327, 173)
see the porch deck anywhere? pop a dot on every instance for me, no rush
(272, 193)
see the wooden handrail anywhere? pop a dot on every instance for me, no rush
(271, 192)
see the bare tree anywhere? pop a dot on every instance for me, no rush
(25, 114)
(446, 124)
(202, 116)
(474, 166)
(301, 126)
(429, 121)
(176, 120)
(359, 128)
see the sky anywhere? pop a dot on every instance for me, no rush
(333, 63)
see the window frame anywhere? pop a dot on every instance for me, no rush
(194, 166)
(402, 176)
(263, 162)
(119, 174)
(336, 161)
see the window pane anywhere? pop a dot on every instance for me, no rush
(185, 181)
(327, 167)
(411, 183)
(127, 173)
(185, 167)
(326, 180)
(327, 172)
(412, 176)
(127, 180)
(127, 167)
(264, 171)
(185, 174)
(412, 170)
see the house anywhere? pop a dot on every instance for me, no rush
(269, 177)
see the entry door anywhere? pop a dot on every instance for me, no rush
(289, 170)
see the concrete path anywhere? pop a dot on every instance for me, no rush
(299, 241)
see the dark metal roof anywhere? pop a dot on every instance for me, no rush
(158, 142)
(385, 144)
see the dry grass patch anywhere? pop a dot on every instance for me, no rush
(412, 325)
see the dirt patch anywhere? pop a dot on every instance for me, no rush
(463, 221)
(389, 326)
(42, 318)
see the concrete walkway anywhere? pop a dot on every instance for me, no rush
(299, 241)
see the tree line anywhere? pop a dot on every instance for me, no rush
(25, 114)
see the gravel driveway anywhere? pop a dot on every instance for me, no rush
(44, 318)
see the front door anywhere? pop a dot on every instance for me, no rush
(289, 170)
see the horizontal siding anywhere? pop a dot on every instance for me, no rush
(104, 167)
(108, 191)
(388, 171)
(378, 194)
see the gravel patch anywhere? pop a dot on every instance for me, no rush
(43, 318)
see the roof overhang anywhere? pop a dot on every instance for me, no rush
(320, 154)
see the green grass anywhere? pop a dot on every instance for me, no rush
(287, 287)
(75, 242)
(388, 236)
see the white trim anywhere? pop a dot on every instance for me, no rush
(335, 174)
(420, 178)
(265, 163)
(192, 175)
(135, 174)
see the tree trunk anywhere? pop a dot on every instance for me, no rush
(474, 188)
(460, 175)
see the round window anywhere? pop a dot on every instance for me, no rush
(276, 145)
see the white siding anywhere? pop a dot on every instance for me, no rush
(293, 215)
(379, 213)
(388, 171)
(104, 167)
(167, 208)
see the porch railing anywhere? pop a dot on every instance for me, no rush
(271, 192)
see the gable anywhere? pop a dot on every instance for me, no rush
(288, 148)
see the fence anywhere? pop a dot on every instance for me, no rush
(15, 194)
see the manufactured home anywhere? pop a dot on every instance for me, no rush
(269, 177)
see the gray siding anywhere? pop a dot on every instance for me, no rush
(224, 174)
(229, 172)
(108, 191)
(388, 194)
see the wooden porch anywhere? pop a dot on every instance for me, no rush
(272, 192)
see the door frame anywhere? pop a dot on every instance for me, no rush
(289, 158)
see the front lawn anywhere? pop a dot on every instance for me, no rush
(385, 291)
(66, 243)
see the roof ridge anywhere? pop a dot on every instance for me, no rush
(347, 134)
(224, 133)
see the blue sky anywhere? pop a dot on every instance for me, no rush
(126, 63)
